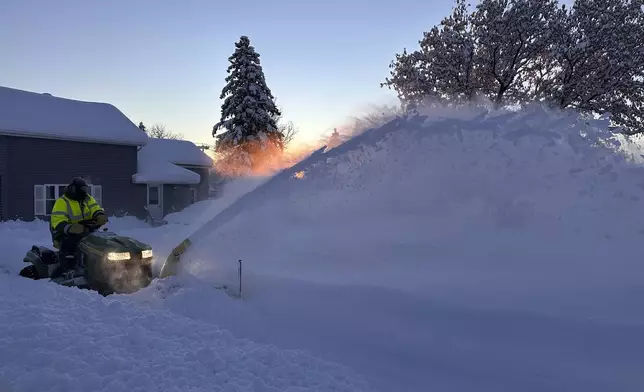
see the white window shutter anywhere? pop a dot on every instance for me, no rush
(40, 206)
(97, 193)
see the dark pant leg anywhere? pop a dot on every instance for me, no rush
(68, 246)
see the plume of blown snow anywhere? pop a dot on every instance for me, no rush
(496, 204)
(268, 162)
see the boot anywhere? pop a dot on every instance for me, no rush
(66, 263)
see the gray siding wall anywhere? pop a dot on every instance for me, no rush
(178, 197)
(202, 187)
(31, 161)
(4, 188)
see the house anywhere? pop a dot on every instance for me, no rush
(45, 141)
(175, 173)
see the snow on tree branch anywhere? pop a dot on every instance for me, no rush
(511, 37)
(248, 114)
(589, 57)
(600, 57)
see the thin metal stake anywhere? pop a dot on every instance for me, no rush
(240, 278)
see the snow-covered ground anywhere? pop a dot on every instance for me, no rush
(458, 252)
(75, 340)
(64, 340)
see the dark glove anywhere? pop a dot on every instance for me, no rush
(76, 228)
(101, 219)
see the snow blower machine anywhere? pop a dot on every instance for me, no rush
(104, 262)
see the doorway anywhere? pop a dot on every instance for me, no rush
(155, 201)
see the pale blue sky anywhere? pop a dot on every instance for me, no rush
(165, 61)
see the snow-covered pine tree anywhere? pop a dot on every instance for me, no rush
(249, 111)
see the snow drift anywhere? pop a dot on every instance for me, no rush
(531, 210)
(437, 250)
(458, 250)
(79, 341)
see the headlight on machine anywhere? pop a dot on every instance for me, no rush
(146, 254)
(118, 256)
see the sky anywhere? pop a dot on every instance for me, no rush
(165, 61)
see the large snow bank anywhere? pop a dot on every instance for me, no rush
(60, 339)
(29, 114)
(509, 208)
(475, 252)
(401, 342)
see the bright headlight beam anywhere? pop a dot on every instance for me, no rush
(115, 256)
(147, 254)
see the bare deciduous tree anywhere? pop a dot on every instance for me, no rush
(511, 36)
(288, 130)
(589, 57)
(444, 67)
(161, 132)
(600, 60)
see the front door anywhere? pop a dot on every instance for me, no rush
(155, 202)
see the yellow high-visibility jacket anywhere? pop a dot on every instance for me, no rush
(67, 211)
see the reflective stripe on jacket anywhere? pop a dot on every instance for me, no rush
(67, 211)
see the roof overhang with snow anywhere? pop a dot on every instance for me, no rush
(43, 116)
(159, 160)
(160, 171)
(179, 152)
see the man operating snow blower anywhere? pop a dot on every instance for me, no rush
(74, 206)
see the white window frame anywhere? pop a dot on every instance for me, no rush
(40, 203)
(94, 191)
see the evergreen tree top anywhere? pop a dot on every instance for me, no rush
(249, 111)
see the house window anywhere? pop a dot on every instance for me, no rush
(97, 193)
(193, 194)
(45, 196)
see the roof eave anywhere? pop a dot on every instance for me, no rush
(191, 165)
(165, 182)
(36, 135)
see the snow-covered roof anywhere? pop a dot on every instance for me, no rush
(179, 152)
(30, 114)
(159, 171)
(158, 160)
